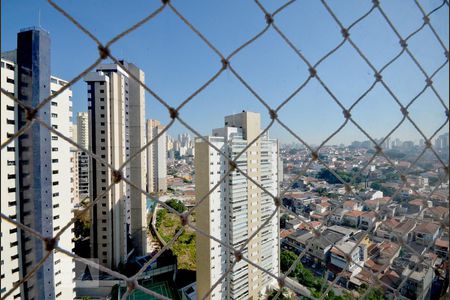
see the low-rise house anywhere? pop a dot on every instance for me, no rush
(368, 220)
(375, 204)
(352, 250)
(322, 207)
(426, 233)
(352, 218)
(386, 227)
(441, 248)
(297, 241)
(336, 216)
(381, 256)
(403, 231)
(437, 213)
(419, 278)
(351, 205)
(321, 246)
(393, 230)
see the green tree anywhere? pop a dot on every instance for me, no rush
(177, 205)
(287, 258)
(376, 186)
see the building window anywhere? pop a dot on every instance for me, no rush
(56, 195)
(10, 107)
(55, 183)
(54, 103)
(55, 126)
(54, 115)
(102, 91)
(9, 80)
(55, 160)
(54, 138)
(55, 172)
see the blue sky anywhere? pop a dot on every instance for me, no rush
(176, 62)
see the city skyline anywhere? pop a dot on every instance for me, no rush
(254, 63)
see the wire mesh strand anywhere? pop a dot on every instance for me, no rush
(225, 63)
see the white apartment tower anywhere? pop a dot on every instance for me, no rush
(156, 158)
(38, 174)
(83, 129)
(237, 209)
(116, 107)
(82, 158)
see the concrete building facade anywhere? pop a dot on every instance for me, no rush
(39, 185)
(116, 110)
(156, 158)
(236, 209)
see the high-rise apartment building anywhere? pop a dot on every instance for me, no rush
(83, 129)
(116, 107)
(156, 158)
(39, 176)
(82, 158)
(236, 209)
(10, 271)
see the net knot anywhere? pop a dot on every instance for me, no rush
(277, 201)
(131, 284)
(378, 149)
(165, 1)
(269, 19)
(348, 188)
(345, 33)
(184, 218)
(225, 63)
(273, 114)
(429, 81)
(376, 2)
(314, 155)
(103, 51)
(173, 113)
(281, 281)
(404, 111)
(427, 144)
(403, 43)
(378, 76)
(232, 165)
(346, 113)
(312, 72)
(238, 255)
(30, 114)
(116, 176)
(50, 244)
(426, 19)
(403, 177)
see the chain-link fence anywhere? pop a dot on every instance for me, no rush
(269, 23)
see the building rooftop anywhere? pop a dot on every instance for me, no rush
(354, 213)
(427, 227)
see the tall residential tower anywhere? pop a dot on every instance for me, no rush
(116, 106)
(237, 209)
(156, 158)
(38, 172)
